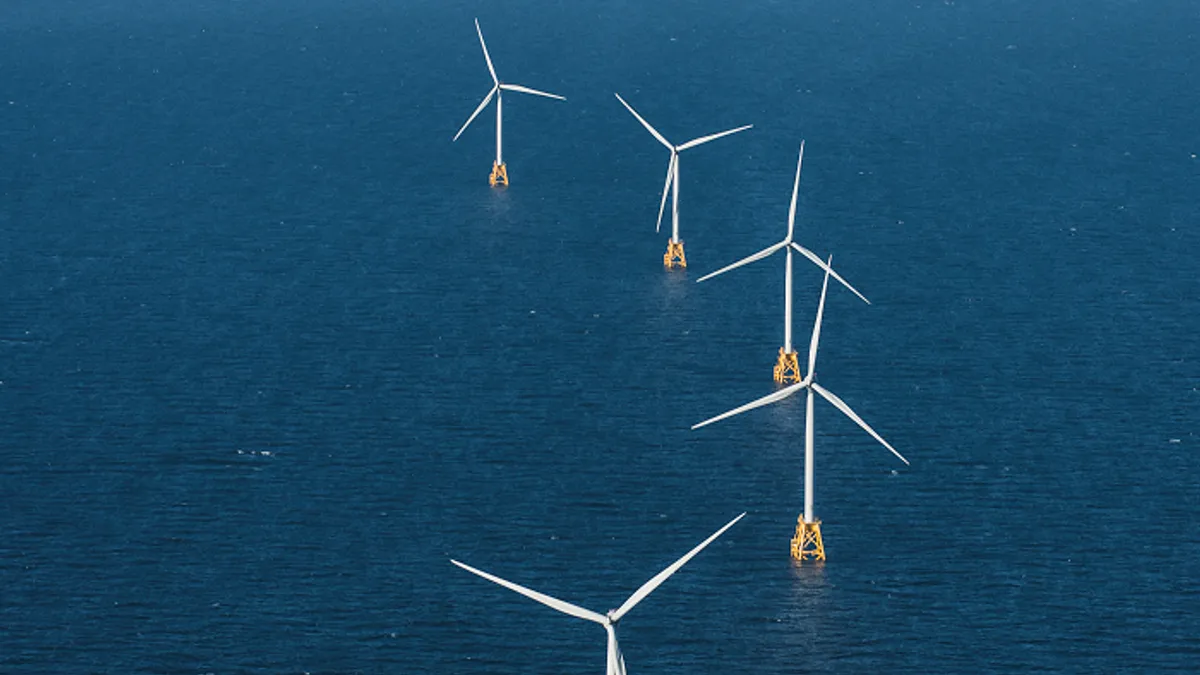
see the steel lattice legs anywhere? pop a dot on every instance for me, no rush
(674, 255)
(787, 369)
(807, 543)
(499, 175)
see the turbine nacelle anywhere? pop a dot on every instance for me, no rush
(809, 382)
(495, 91)
(672, 180)
(616, 662)
(788, 243)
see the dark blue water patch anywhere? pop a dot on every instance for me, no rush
(271, 352)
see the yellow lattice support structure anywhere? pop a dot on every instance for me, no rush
(787, 369)
(674, 255)
(499, 175)
(807, 542)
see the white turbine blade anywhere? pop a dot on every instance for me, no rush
(645, 123)
(745, 261)
(486, 99)
(616, 663)
(527, 90)
(770, 398)
(485, 53)
(564, 607)
(816, 334)
(666, 189)
(821, 263)
(648, 587)
(704, 139)
(795, 192)
(841, 405)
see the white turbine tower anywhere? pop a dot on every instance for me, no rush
(674, 254)
(787, 369)
(616, 662)
(807, 541)
(499, 169)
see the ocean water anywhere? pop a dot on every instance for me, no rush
(272, 351)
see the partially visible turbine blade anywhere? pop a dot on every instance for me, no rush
(704, 139)
(770, 398)
(745, 261)
(645, 123)
(821, 263)
(486, 100)
(527, 90)
(483, 44)
(666, 189)
(841, 405)
(616, 662)
(816, 334)
(795, 191)
(648, 587)
(564, 607)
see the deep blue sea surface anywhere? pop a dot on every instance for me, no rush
(272, 351)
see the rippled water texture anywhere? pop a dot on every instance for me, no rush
(271, 351)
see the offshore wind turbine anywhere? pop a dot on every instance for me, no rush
(807, 541)
(499, 169)
(787, 369)
(616, 662)
(674, 255)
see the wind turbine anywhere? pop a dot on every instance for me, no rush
(616, 662)
(499, 169)
(787, 369)
(807, 540)
(674, 254)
